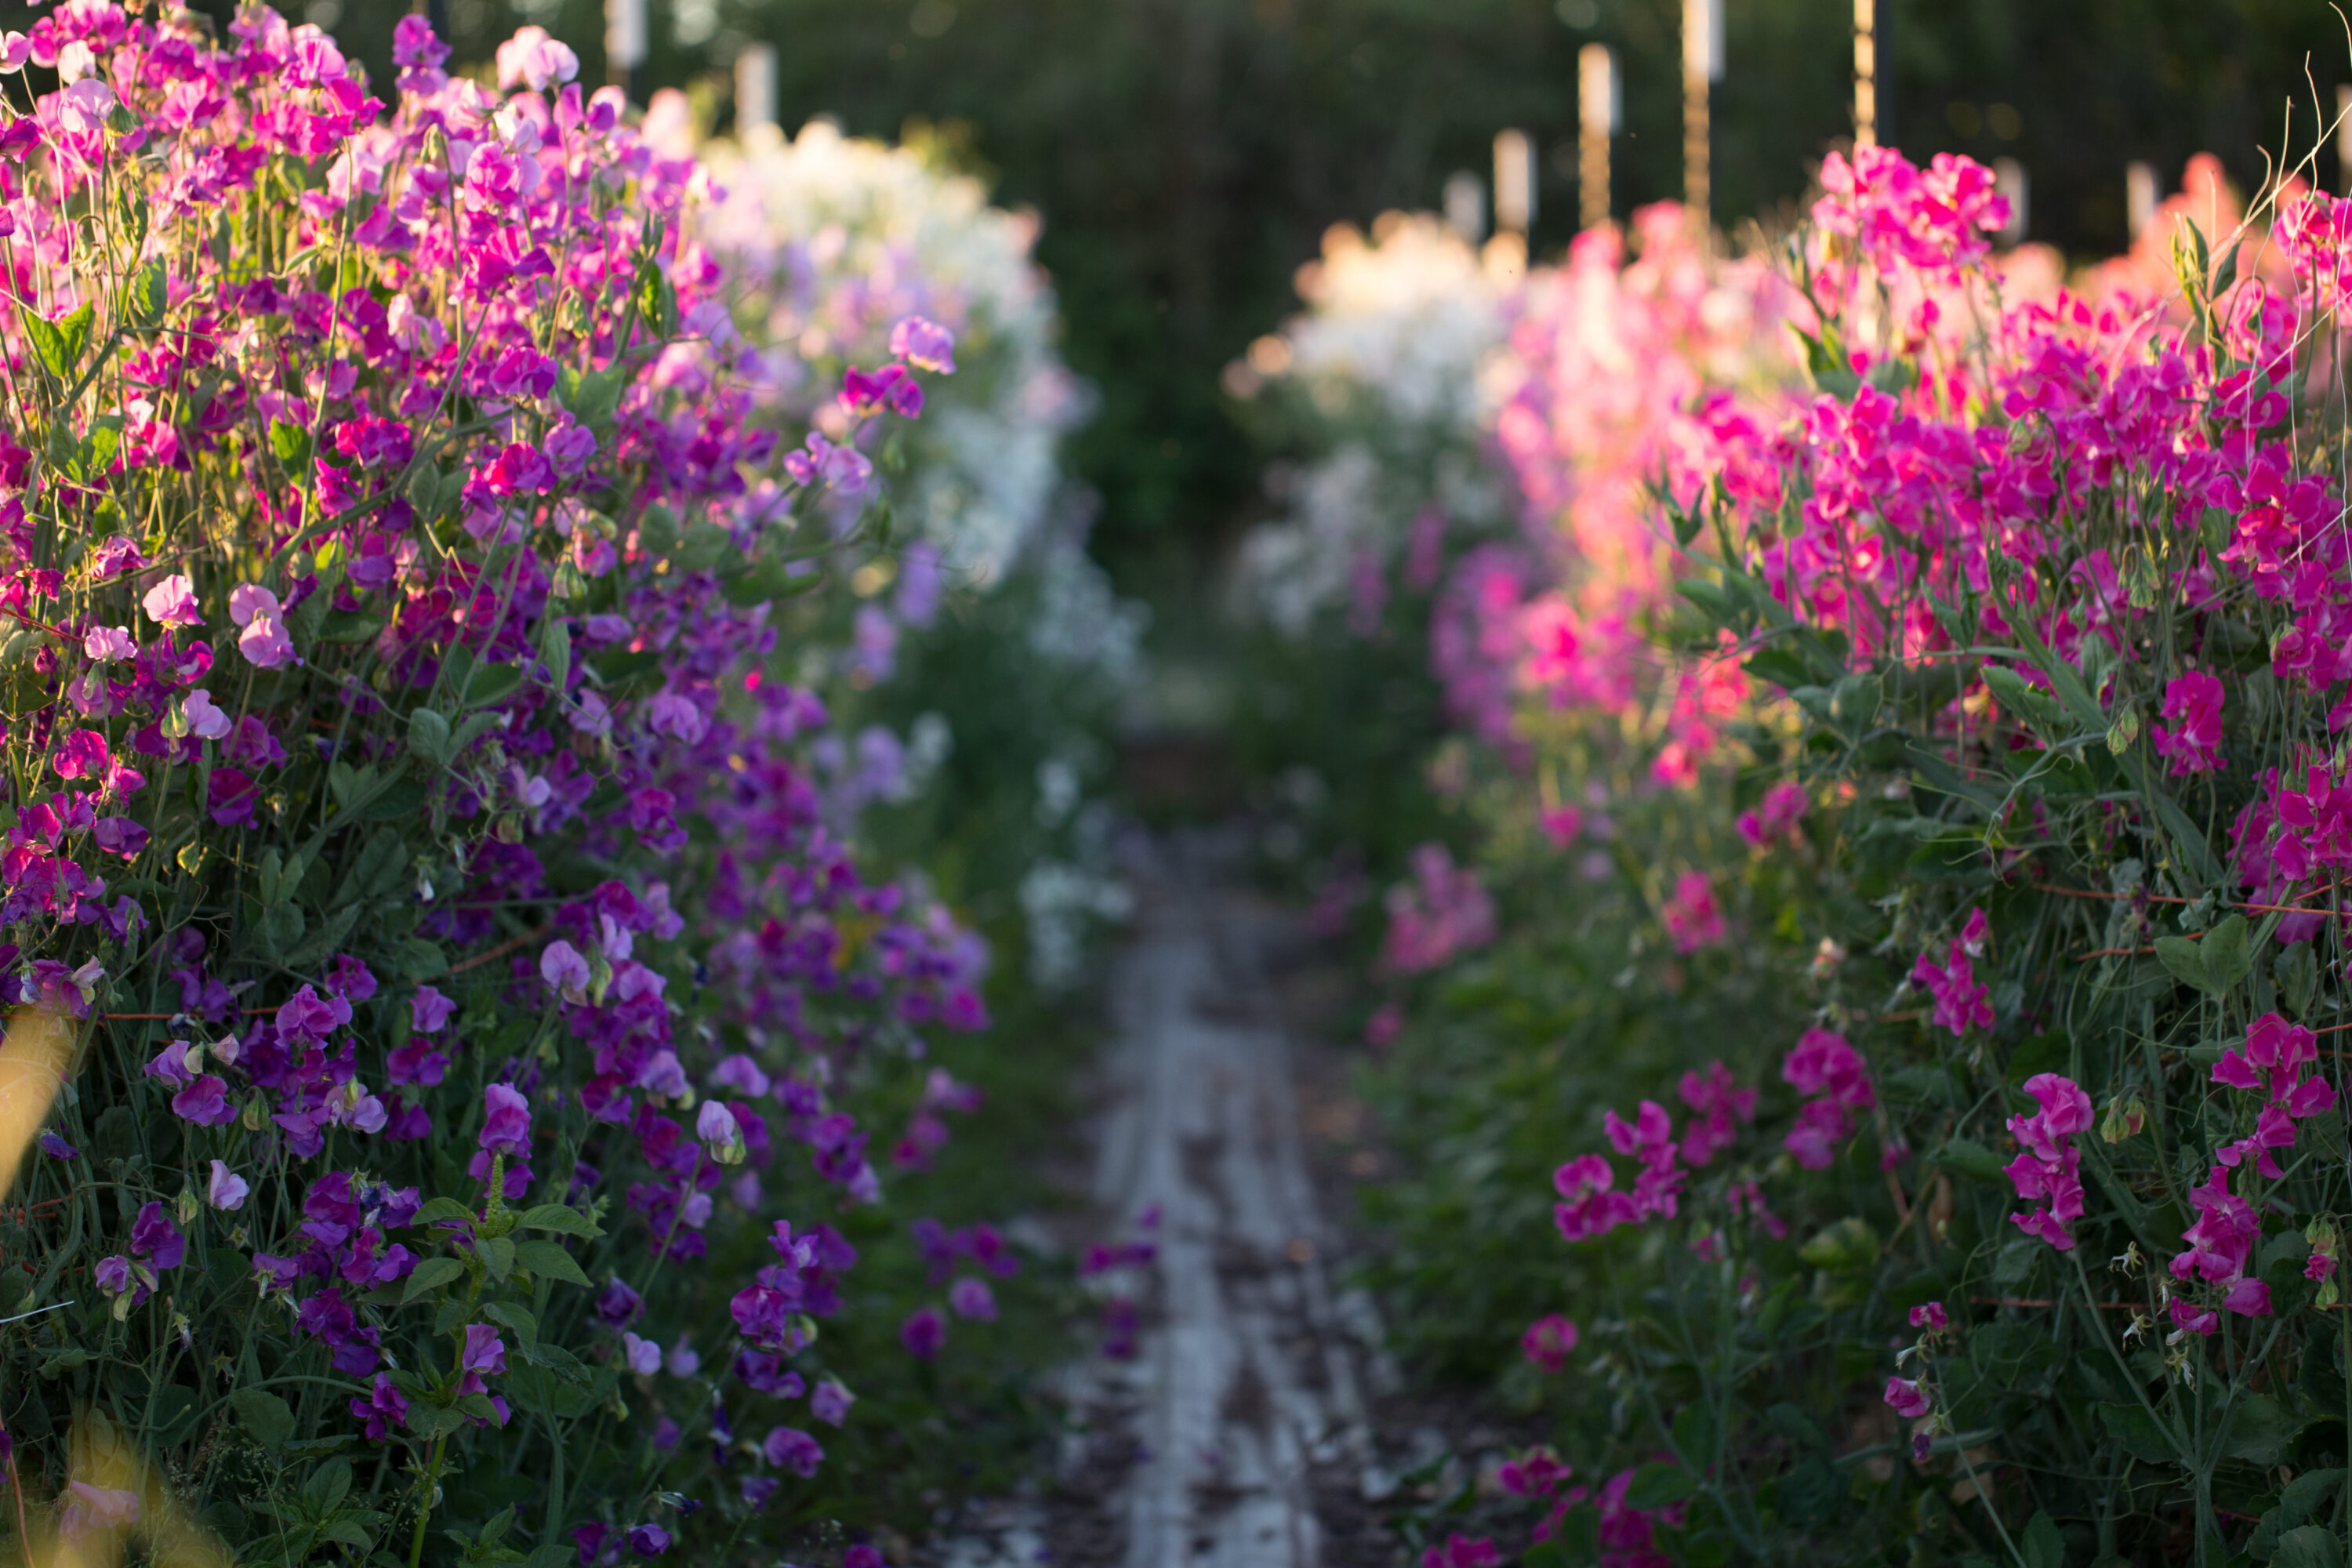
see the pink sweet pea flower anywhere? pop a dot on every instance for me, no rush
(172, 602)
(1907, 1399)
(2194, 745)
(1549, 1342)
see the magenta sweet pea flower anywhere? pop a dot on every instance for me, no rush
(384, 1409)
(1930, 1315)
(1549, 1342)
(2193, 744)
(1907, 1399)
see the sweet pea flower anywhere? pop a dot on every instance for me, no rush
(90, 1509)
(172, 602)
(205, 722)
(1549, 1342)
(642, 1356)
(923, 1332)
(561, 968)
(105, 645)
(972, 1300)
(1462, 1552)
(534, 60)
(2194, 744)
(484, 1356)
(505, 1122)
(1907, 1399)
(264, 641)
(790, 1448)
(1930, 1315)
(648, 1540)
(225, 1190)
(429, 1011)
(925, 344)
(830, 1401)
(716, 1126)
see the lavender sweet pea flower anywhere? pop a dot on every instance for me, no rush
(648, 1540)
(561, 968)
(643, 1357)
(225, 1190)
(830, 1401)
(790, 1448)
(57, 1148)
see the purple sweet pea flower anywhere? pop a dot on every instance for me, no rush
(484, 1356)
(590, 1540)
(790, 1448)
(648, 1540)
(643, 1357)
(156, 1239)
(923, 1332)
(57, 1148)
(383, 1410)
(506, 1125)
(428, 1013)
(205, 1102)
(617, 1305)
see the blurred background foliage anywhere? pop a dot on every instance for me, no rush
(1187, 155)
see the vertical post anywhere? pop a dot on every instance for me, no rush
(1866, 73)
(624, 43)
(1515, 181)
(2139, 196)
(1702, 64)
(2008, 179)
(1465, 206)
(2343, 136)
(755, 92)
(1598, 118)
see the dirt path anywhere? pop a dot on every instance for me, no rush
(1251, 1370)
(1235, 1436)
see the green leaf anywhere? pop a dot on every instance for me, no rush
(149, 294)
(2296, 969)
(2260, 1430)
(555, 650)
(439, 1209)
(422, 959)
(1812, 1493)
(58, 345)
(2226, 955)
(291, 444)
(556, 1553)
(431, 1275)
(328, 1485)
(270, 1418)
(398, 798)
(515, 1316)
(2179, 954)
(561, 1218)
(427, 1422)
(1658, 1486)
(345, 628)
(2308, 1546)
(428, 735)
(490, 682)
(498, 1255)
(1844, 1246)
(2043, 1546)
(549, 1260)
(591, 395)
(2141, 1435)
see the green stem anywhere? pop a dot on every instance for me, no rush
(424, 1501)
